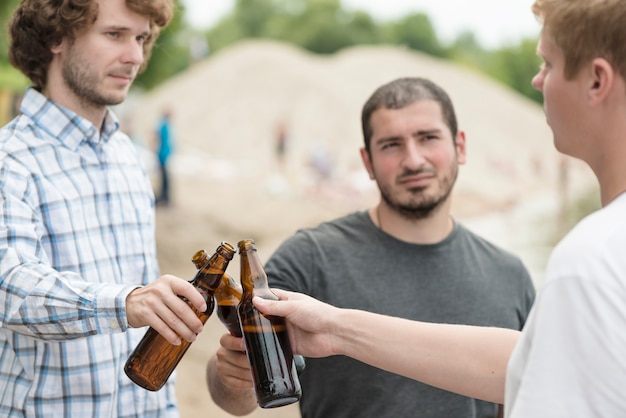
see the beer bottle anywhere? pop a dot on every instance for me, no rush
(227, 297)
(154, 359)
(267, 343)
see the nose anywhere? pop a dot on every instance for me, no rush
(537, 81)
(134, 53)
(413, 156)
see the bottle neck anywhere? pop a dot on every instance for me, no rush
(253, 277)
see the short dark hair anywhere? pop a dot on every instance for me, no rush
(401, 93)
(38, 25)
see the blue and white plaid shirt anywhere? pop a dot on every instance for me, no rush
(76, 236)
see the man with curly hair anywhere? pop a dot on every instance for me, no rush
(78, 269)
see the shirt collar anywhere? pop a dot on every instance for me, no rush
(65, 125)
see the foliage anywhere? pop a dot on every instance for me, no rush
(170, 54)
(320, 26)
(515, 66)
(6, 8)
(416, 32)
(11, 79)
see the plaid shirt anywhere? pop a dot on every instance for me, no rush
(76, 236)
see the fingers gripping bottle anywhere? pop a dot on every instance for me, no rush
(267, 343)
(227, 297)
(154, 359)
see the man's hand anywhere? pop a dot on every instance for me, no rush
(311, 323)
(229, 377)
(159, 306)
(232, 363)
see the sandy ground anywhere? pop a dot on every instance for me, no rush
(227, 184)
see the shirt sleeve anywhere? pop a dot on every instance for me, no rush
(37, 299)
(291, 266)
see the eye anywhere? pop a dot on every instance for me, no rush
(389, 144)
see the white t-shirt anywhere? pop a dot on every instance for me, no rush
(571, 358)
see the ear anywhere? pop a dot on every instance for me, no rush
(460, 147)
(58, 48)
(601, 81)
(367, 162)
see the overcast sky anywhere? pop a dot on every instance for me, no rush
(494, 22)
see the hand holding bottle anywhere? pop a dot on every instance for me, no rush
(232, 363)
(159, 305)
(309, 321)
(267, 342)
(154, 358)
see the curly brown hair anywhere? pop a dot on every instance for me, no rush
(38, 25)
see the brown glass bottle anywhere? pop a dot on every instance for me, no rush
(227, 297)
(154, 359)
(267, 343)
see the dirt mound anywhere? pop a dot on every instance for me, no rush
(227, 108)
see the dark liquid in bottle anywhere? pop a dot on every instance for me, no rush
(270, 359)
(228, 315)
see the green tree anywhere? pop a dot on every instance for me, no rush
(467, 50)
(516, 65)
(6, 9)
(10, 78)
(326, 28)
(417, 32)
(320, 26)
(253, 16)
(170, 54)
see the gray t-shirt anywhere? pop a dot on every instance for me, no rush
(351, 263)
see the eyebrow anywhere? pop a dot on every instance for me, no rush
(427, 131)
(117, 28)
(414, 134)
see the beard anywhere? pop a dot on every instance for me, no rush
(85, 83)
(420, 205)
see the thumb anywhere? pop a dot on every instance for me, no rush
(268, 307)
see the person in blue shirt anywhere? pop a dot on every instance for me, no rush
(165, 148)
(79, 277)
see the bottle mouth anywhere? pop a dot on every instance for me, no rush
(227, 249)
(246, 245)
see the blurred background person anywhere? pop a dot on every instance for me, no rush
(164, 151)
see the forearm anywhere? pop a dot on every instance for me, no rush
(235, 401)
(463, 359)
(46, 304)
